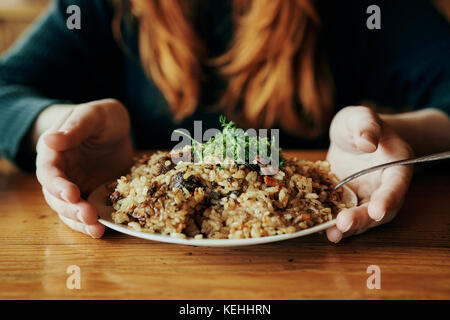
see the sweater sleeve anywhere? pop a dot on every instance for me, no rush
(52, 64)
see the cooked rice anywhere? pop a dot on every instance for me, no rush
(224, 201)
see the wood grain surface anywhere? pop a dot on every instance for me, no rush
(36, 249)
(15, 17)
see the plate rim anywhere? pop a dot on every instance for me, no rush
(216, 242)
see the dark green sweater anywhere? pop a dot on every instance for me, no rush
(405, 64)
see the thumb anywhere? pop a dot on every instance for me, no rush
(84, 122)
(356, 129)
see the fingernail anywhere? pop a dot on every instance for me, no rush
(80, 217)
(64, 196)
(348, 226)
(381, 218)
(337, 240)
(368, 137)
(369, 140)
(65, 131)
(89, 233)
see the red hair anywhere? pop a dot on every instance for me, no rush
(273, 67)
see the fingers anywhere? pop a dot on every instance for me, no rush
(82, 211)
(388, 198)
(353, 219)
(95, 124)
(356, 129)
(107, 120)
(81, 123)
(55, 181)
(81, 216)
(334, 234)
(349, 222)
(383, 206)
(95, 231)
(50, 175)
(84, 122)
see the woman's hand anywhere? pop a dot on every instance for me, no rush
(360, 139)
(87, 145)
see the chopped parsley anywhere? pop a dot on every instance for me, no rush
(236, 144)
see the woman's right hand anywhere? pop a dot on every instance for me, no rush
(87, 145)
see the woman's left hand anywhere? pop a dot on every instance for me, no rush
(360, 139)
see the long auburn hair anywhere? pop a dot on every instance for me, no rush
(273, 67)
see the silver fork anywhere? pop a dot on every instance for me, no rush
(431, 157)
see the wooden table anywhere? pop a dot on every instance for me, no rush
(15, 18)
(36, 249)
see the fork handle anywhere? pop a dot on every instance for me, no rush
(431, 157)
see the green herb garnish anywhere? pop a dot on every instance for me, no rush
(234, 143)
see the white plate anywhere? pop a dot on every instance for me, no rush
(98, 199)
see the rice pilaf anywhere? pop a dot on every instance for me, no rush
(224, 200)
